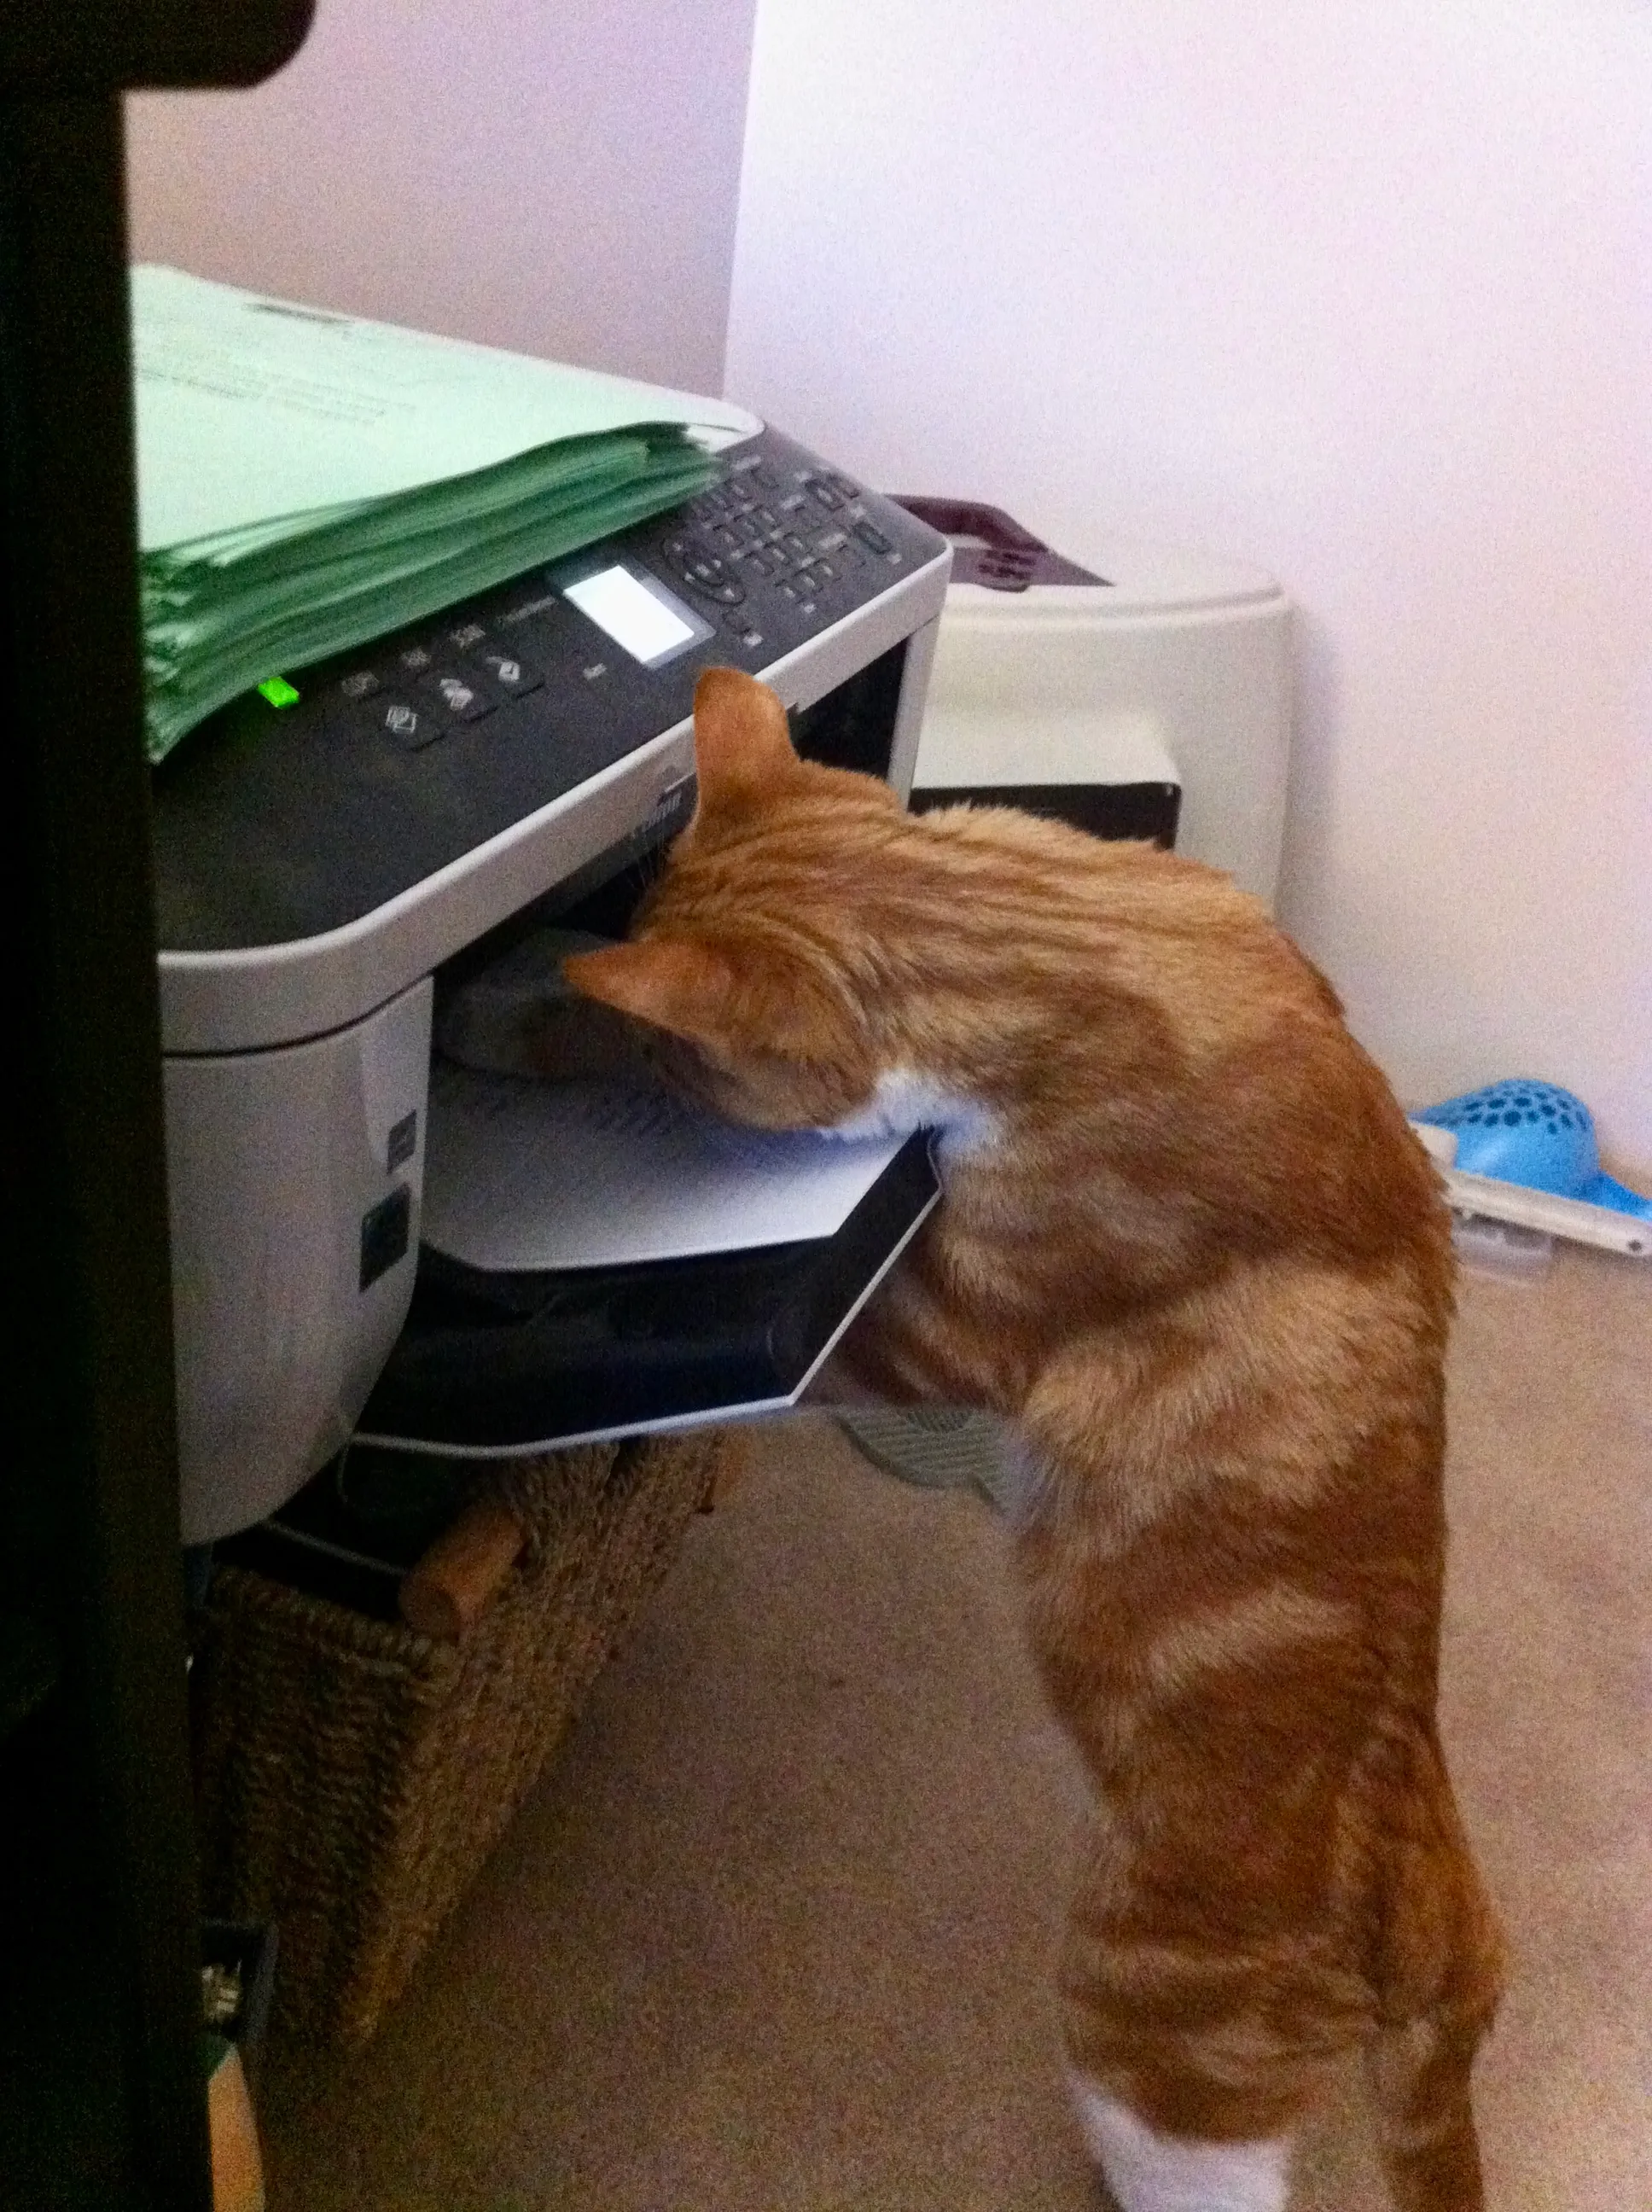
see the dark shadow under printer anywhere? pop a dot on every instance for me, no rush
(324, 866)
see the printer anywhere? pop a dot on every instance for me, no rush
(1145, 693)
(323, 865)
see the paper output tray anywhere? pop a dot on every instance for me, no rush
(490, 1365)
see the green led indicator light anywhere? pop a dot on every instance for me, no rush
(279, 692)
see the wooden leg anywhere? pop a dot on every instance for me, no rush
(729, 1465)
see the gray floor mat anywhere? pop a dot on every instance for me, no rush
(934, 1447)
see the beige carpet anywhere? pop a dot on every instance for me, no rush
(775, 1934)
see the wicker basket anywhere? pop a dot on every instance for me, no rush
(353, 1775)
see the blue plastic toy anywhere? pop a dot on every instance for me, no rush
(1534, 1133)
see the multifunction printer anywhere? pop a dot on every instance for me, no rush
(323, 865)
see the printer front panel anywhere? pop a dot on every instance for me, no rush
(296, 1178)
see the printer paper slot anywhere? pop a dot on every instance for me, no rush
(526, 1177)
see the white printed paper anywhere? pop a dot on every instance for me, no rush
(528, 1176)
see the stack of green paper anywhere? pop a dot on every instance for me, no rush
(307, 482)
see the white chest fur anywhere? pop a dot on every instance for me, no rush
(904, 1101)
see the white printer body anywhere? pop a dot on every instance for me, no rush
(323, 869)
(1144, 693)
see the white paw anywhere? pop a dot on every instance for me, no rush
(1150, 2173)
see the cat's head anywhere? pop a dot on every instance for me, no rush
(751, 957)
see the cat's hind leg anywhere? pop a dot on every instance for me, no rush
(1419, 2079)
(1439, 1976)
(1199, 2037)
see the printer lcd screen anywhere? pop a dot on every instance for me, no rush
(642, 617)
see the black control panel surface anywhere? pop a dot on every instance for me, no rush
(275, 822)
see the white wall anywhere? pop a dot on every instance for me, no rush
(1361, 289)
(555, 175)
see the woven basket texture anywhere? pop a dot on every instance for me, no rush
(352, 1777)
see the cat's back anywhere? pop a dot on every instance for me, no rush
(1178, 933)
(1156, 1018)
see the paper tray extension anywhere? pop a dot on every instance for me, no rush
(492, 1365)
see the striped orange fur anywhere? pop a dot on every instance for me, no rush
(1190, 1249)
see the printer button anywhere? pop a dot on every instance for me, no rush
(464, 696)
(411, 728)
(713, 580)
(694, 564)
(508, 672)
(360, 683)
(705, 572)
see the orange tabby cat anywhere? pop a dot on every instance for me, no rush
(1189, 1247)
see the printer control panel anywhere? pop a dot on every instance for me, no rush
(777, 546)
(304, 806)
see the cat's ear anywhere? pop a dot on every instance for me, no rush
(742, 746)
(668, 981)
(718, 1002)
